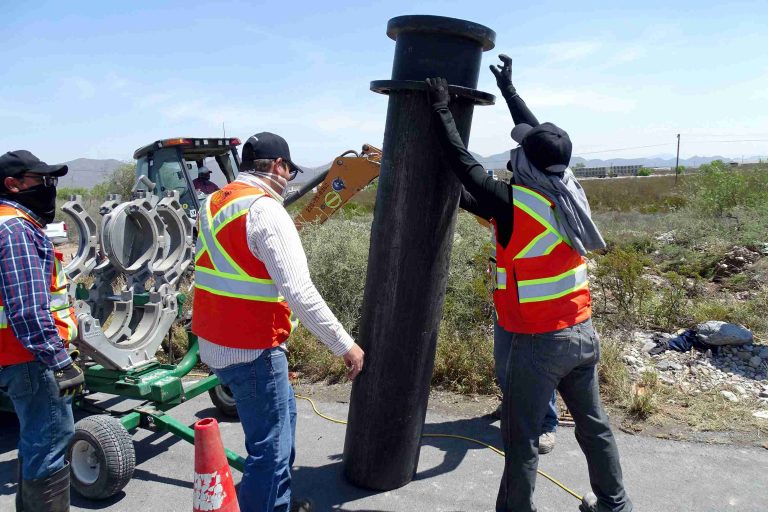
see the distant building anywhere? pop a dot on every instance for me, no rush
(607, 172)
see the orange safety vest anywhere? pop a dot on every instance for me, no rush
(541, 281)
(12, 351)
(236, 301)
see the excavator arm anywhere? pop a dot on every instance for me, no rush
(349, 173)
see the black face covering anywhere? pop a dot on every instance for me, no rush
(40, 199)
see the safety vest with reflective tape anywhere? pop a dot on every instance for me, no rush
(236, 302)
(12, 351)
(541, 281)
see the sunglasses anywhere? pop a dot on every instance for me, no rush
(47, 181)
(292, 173)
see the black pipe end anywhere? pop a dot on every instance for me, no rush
(442, 25)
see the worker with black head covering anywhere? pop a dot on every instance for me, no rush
(543, 229)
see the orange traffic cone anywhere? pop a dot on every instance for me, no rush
(213, 490)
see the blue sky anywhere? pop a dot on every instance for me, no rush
(99, 79)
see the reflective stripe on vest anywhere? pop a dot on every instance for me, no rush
(241, 287)
(61, 309)
(539, 208)
(228, 279)
(547, 288)
(501, 278)
(3, 318)
(543, 244)
(206, 241)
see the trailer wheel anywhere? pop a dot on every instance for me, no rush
(222, 398)
(101, 457)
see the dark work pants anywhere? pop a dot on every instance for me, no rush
(537, 364)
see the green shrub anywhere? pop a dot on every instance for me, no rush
(719, 188)
(668, 309)
(337, 253)
(121, 181)
(464, 362)
(468, 297)
(645, 171)
(625, 292)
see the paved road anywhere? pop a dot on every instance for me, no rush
(453, 475)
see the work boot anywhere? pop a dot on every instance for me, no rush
(588, 503)
(546, 442)
(303, 505)
(50, 494)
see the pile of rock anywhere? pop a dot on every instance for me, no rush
(740, 372)
(734, 262)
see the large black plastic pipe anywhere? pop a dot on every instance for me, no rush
(411, 241)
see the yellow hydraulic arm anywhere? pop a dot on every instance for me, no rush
(349, 173)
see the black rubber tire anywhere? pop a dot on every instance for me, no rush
(112, 458)
(222, 398)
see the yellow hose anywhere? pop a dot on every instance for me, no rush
(493, 448)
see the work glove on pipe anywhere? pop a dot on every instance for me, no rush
(439, 96)
(503, 76)
(70, 380)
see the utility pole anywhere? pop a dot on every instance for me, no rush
(223, 129)
(677, 159)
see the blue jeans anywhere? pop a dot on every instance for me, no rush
(502, 343)
(45, 418)
(539, 363)
(267, 409)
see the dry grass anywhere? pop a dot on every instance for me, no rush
(648, 194)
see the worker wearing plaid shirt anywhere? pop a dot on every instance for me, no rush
(36, 371)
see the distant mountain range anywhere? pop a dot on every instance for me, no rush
(87, 172)
(499, 161)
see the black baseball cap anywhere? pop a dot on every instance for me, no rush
(15, 163)
(267, 146)
(547, 146)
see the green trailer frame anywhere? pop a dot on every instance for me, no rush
(101, 452)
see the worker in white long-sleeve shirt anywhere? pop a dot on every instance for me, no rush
(251, 278)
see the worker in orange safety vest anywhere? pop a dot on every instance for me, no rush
(37, 322)
(252, 284)
(544, 228)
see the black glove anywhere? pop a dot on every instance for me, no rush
(70, 380)
(503, 75)
(439, 96)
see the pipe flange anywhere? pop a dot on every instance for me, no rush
(179, 250)
(473, 95)
(426, 23)
(85, 258)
